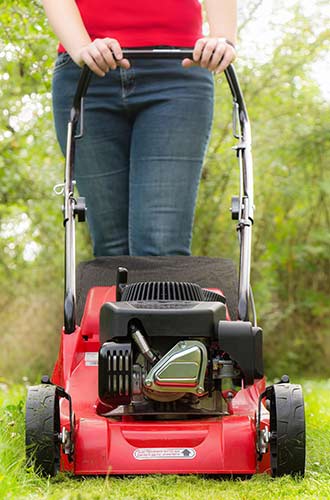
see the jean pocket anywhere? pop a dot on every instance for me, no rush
(62, 60)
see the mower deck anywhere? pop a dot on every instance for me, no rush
(128, 444)
(196, 447)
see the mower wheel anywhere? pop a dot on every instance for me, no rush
(42, 429)
(287, 430)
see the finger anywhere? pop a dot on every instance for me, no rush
(188, 63)
(207, 53)
(106, 53)
(228, 58)
(115, 47)
(124, 63)
(98, 57)
(217, 56)
(87, 59)
(198, 49)
(117, 53)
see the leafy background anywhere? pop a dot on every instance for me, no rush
(291, 247)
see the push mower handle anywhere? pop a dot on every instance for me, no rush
(86, 74)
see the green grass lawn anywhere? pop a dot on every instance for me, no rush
(16, 482)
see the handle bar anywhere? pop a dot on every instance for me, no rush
(86, 74)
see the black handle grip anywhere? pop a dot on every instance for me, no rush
(166, 53)
(82, 88)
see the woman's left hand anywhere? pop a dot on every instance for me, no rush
(212, 53)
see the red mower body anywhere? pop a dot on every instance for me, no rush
(140, 386)
(127, 445)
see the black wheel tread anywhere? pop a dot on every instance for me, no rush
(287, 426)
(42, 423)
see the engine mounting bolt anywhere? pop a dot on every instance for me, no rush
(148, 383)
(200, 390)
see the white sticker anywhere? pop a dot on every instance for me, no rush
(164, 453)
(91, 358)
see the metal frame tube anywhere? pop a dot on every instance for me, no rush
(70, 237)
(246, 216)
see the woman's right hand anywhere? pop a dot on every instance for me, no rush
(101, 55)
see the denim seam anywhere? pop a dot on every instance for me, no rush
(197, 187)
(129, 224)
(128, 83)
(62, 64)
(103, 174)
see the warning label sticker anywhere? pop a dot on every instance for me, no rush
(91, 358)
(164, 453)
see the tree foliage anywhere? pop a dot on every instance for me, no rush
(290, 121)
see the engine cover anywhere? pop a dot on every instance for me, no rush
(180, 371)
(115, 373)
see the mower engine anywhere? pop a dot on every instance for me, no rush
(160, 344)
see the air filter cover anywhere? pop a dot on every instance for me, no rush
(162, 290)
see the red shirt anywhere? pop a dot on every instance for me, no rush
(138, 23)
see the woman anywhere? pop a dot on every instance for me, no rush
(147, 124)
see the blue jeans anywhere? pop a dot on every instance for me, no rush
(139, 163)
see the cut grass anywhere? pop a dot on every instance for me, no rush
(18, 483)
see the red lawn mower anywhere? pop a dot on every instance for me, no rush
(160, 366)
